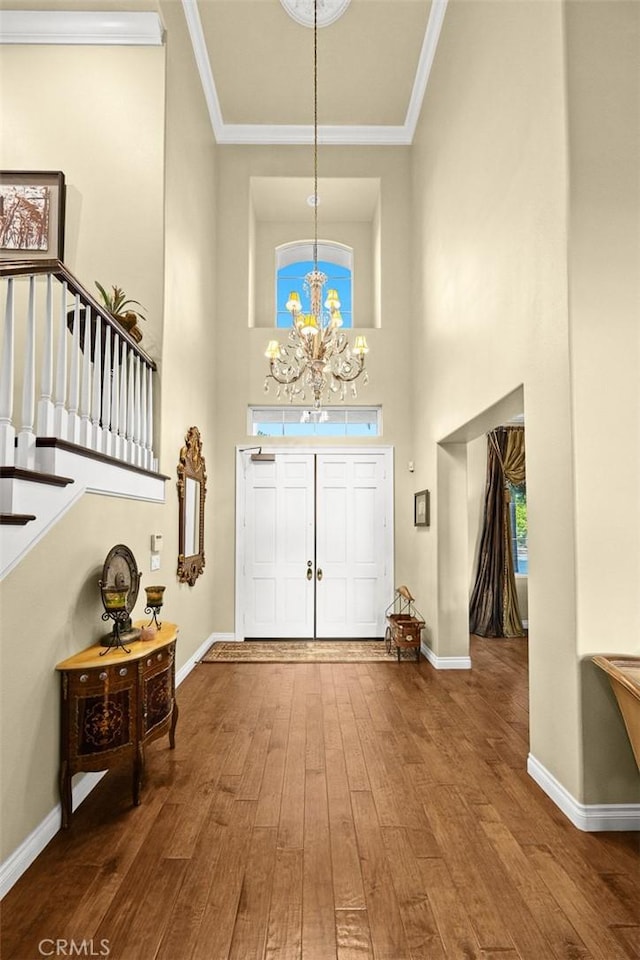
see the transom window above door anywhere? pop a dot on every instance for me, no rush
(295, 260)
(296, 421)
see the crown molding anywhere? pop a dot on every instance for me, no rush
(115, 28)
(194, 26)
(292, 134)
(258, 134)
(146, 29)
(425, 63)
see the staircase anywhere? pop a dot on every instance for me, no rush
(84, 391)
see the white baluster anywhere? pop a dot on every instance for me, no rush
(7, 430)
(153, 463)
(85, 392)
(131, 453)
(60, 416)
(114, 450)
(144, 440)
(73, 433)
(26, 449)
(122, 423)
(45, 404)
(106, 392)
(96, 396)
(137, 407)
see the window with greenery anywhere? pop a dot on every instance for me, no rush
(518, 517)
(295, 260)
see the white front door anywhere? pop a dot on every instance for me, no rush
(315, 545)
(279, 547)
(350, 545)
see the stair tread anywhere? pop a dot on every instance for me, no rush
(16, 519)
(34, 476)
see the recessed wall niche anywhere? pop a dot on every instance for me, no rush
(348, 212)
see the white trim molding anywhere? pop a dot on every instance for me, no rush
(290, 134)
(114, 27)
(22, 858)
(445, 663)
(591, 818)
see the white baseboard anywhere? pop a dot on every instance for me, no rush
(591, 818)
(445, 663)
(196, 657)
(227, 637)
(22, 858)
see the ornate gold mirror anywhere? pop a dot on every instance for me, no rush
(192, 489)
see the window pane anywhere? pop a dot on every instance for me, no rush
(292, 277)
(518, 517)
(268, 430)
(298, 421)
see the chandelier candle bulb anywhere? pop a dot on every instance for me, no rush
(273, 350)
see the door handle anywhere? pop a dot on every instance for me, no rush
(309, 570)
(319, 573)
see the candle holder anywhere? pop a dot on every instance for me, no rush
(155, 600)
(114, 598)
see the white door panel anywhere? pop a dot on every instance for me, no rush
(279, 542)
(350, 545)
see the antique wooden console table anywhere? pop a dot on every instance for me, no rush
(112, 705)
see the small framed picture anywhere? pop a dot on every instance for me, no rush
(421, 509)
(32, 215)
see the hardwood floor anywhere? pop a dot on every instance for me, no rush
(334, 812)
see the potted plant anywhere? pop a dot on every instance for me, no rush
(119, 307)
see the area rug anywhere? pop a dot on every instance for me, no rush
(298, 651)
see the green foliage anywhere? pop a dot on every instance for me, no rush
(519, 498)
(117, 303)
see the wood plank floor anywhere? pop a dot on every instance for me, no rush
(335, 812)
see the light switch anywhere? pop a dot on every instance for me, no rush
(155, 561)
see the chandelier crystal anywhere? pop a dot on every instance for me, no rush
(317, 356)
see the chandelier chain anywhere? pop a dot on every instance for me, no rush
(315, 134)
(317, 356)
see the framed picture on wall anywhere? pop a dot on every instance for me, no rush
(421, 509)
(32, 215)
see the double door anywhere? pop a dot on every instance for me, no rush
(316, 545)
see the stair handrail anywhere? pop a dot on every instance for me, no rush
(17, 268)
(110, 415)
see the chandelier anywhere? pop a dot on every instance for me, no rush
(317, 356)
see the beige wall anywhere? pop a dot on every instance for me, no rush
(603, 82)
(112, 157)
(490, 185)
(119, 196)
(491, 192)
(189, 344)
(241, 366)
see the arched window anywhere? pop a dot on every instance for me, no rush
(295, 260)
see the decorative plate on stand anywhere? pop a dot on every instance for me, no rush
(121, 570)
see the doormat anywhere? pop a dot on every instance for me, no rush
(299, 651)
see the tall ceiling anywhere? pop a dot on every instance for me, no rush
(256, 62)
(257, 67)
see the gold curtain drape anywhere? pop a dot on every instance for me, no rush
(493, 609)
